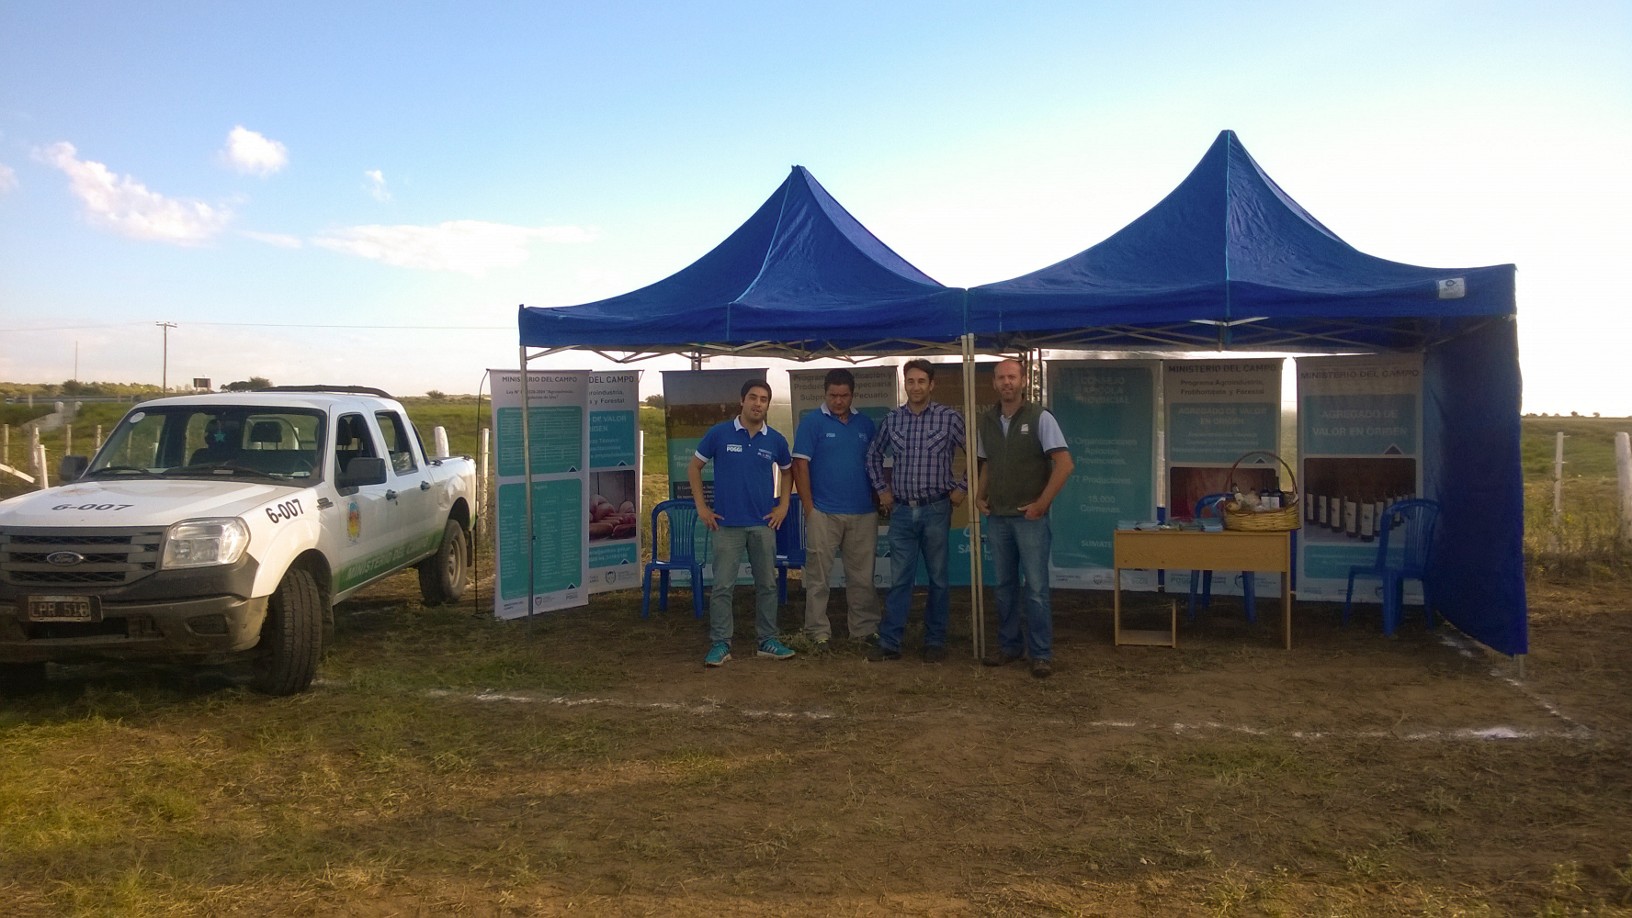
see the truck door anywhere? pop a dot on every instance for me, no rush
(419, 520)
(367, 519)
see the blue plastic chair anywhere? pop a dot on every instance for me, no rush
(790, 547)
(685, 553)
(1211, 507)
(1405, 546)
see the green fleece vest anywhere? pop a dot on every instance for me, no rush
(1018, 469)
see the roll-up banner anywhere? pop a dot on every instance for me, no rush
(1218, 412)
(1360, 446)
(694, 401)
(558, 436)
(615, 514)
(875, 396)
(1107, 411)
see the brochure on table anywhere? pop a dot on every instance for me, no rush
(1360, 449)
(1107, 411)
(557, 568)
(1219, 411)
(694, 401)
(875, 396)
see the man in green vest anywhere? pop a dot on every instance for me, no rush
(1024, 462)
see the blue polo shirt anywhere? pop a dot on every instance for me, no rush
(744, 470)
(837, 453)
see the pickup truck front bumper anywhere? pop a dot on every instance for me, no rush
(212, 629)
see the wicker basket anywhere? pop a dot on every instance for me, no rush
(1285, 519)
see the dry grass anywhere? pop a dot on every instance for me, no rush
(448, 763)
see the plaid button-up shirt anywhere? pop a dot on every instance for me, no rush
(921, 446)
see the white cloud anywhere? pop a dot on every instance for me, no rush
(254, 154)
(467, 246)
(281, 240)
(376, 186)
(126, 206)
(8, 179)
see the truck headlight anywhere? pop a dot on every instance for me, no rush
(200, 543)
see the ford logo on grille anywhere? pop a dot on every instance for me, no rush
(65, 558)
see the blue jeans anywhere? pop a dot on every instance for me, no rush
(915, 530)
(1020, 549)
(730, 542)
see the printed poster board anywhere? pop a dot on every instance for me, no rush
(694, 401)
(1360, 449)
(615, 515)
(1107, 411)
(1218, 411)
(558, 433)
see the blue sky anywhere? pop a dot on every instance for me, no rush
(265, 175)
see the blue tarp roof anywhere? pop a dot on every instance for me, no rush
(1228, 258)
(800, 278)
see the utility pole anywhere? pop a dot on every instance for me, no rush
(164, 378)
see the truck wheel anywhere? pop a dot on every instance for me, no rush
(444, 575)
(291, 639)
(21, 678)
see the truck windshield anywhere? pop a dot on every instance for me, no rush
(213, 440)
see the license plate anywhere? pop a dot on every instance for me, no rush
(63, 609)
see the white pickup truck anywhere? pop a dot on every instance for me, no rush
(221, 527)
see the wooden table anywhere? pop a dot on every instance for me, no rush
(1183, 549)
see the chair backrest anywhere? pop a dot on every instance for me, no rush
(790, 539)
(1408, 535)
(682, 530)
(1211, 506)
(265, 432)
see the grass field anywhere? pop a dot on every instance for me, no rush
(584, 761)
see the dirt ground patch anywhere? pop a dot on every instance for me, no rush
(587, 761)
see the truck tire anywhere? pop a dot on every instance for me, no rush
(21, 678)
(444, 575)
(291, 639)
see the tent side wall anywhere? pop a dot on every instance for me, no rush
(1471, 391)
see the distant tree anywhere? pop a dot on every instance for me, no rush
(435, 395)
(656, 401)
(248, 385)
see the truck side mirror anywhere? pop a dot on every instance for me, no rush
(362, 470)
(72, 467)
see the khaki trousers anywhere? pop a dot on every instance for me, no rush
(854, 538)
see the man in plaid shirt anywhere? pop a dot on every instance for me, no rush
(921, 438)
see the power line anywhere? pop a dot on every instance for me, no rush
(375, 327)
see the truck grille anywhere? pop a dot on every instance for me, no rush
(107, 557)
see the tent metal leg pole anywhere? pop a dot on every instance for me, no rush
(977, 612)
(527, 467)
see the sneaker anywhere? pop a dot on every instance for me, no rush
(870, 640)
(934, 654)
(1000, 658)
(775, 649)
(718, 655)
(1042, 669)
(880, 655)
(820, 648)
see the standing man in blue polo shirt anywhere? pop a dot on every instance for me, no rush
(750, 460)
(921, 437)
(830, 467)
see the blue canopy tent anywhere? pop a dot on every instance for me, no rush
(800, 279)
(1228, 261)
